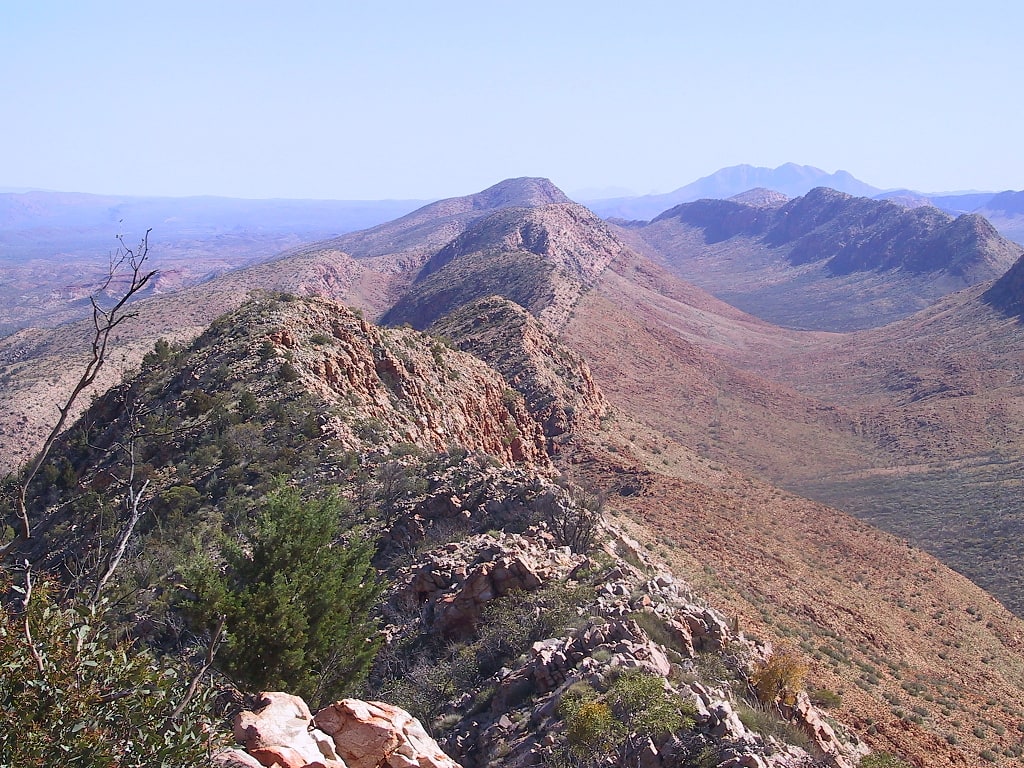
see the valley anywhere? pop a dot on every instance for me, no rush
(855, 356)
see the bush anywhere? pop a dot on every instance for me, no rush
(287, 372)
(646, 708)
(590, 728)
(882, 760)
(297, 603)
(779, 679)
(97, 701)
(823, 697)
(767, 722)
(636, 707)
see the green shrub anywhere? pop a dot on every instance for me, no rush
(297, 603)
(91, 699)
(287, 372)
(882, 760)
(823, 697)
(642, 704)
(590, 728)
(767, 722)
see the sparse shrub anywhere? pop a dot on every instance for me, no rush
(779, 679)
(287, 372)
(642, 704)
(823, 697)
(766, 721)
(248, 405)
(882, 760)
(590, 729)
(267, 350)
(656, 629)
(575, 523)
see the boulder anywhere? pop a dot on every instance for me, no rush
(370, 734)
(279, 731)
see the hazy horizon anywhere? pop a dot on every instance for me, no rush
(414, 102)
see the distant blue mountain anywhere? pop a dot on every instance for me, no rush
(790, 179)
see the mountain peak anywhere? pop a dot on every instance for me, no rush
(525, 191)
(789, 179)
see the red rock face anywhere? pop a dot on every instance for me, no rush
(402, 386)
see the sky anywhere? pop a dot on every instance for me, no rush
(421, 100)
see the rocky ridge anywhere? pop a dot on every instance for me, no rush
(827, 260)
(543, 621)
(629, 619)
(541, 258)
(556, 382)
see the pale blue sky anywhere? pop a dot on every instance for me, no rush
(429, 99)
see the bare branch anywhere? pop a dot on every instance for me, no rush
(104, 323)
(211, 651)
(27, 626)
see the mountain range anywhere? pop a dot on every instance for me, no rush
(725, 444)
(827, 260)
(789, 179)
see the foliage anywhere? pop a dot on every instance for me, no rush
(645, 707)
(780, 677)
(882, 760)
(636, 706)
(297, 602)
(590, 728)
(766, 721)
(575, 523)
(92, 699)
(823, 697)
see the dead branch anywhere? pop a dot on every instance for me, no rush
(104, 322)
(27, 626)
(211, 651)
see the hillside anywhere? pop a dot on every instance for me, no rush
(940, 392)
(1006, 211)
(36, 363)
(581, 355)
(307, 390)
(542, 258)
(826, 260)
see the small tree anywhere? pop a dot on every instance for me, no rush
(576, 521)
(780, 678)
(297, 603)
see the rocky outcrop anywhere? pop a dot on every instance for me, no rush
(633, 616)
(398, 386)
(280, 732)
(347, 734)
(555, 381)
(451, 587)
(374, 735)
